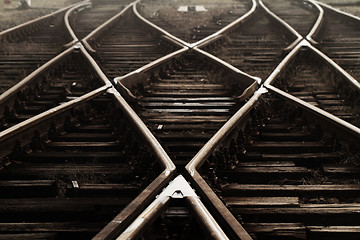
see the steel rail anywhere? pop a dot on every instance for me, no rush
(124, 82)
(349, 128)
(103, 28)
(31, 77)
(179, 188)
(230, 26)
(136, 120)
(9, 96)
(180, 41)
(242, 75)
(31, 23)
(206, 151)
(285, 62)
(227, 65)
(339, 69)
(351, 80)
(75, 39)
(126, 216)
(327, 6)
(169, 39)
(145, 132)
(94, 65)
(317, 26)
(59, 109)
(29, 123)
(339, 122)
(285, 24)
(223, 132)
(142, 200)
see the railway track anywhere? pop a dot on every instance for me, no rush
(290, 177)
(80, 161)
(339, 40)
(326, 88)
(300, 15)
(127, 46)
(255, 47)
(68, 77)
(26, 48)
(169, 19)
(111, 135)
(351, 7)
(187, 101)
(86, 20)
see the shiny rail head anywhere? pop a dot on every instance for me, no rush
(262, 103)
(286, 61)
(178, 189)
(67, 16)
(126, 82)
(228, 66)
(318, 24)
(322, 118)
(307, 46)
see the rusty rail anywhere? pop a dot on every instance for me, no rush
(7, 98)
(349, 15)
(123, 219)
(124, 83)
(103, 28)
(233, 225)
(227, 65)
(347, 127)
(323, 114)
(68, 25)
(178, 40)
(285, 24)
(227, 28)
(179, 188)
(33, 24)
(317, 26)
(305, 44)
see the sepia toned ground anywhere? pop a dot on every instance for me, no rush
(185, 22)
(10, 17)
